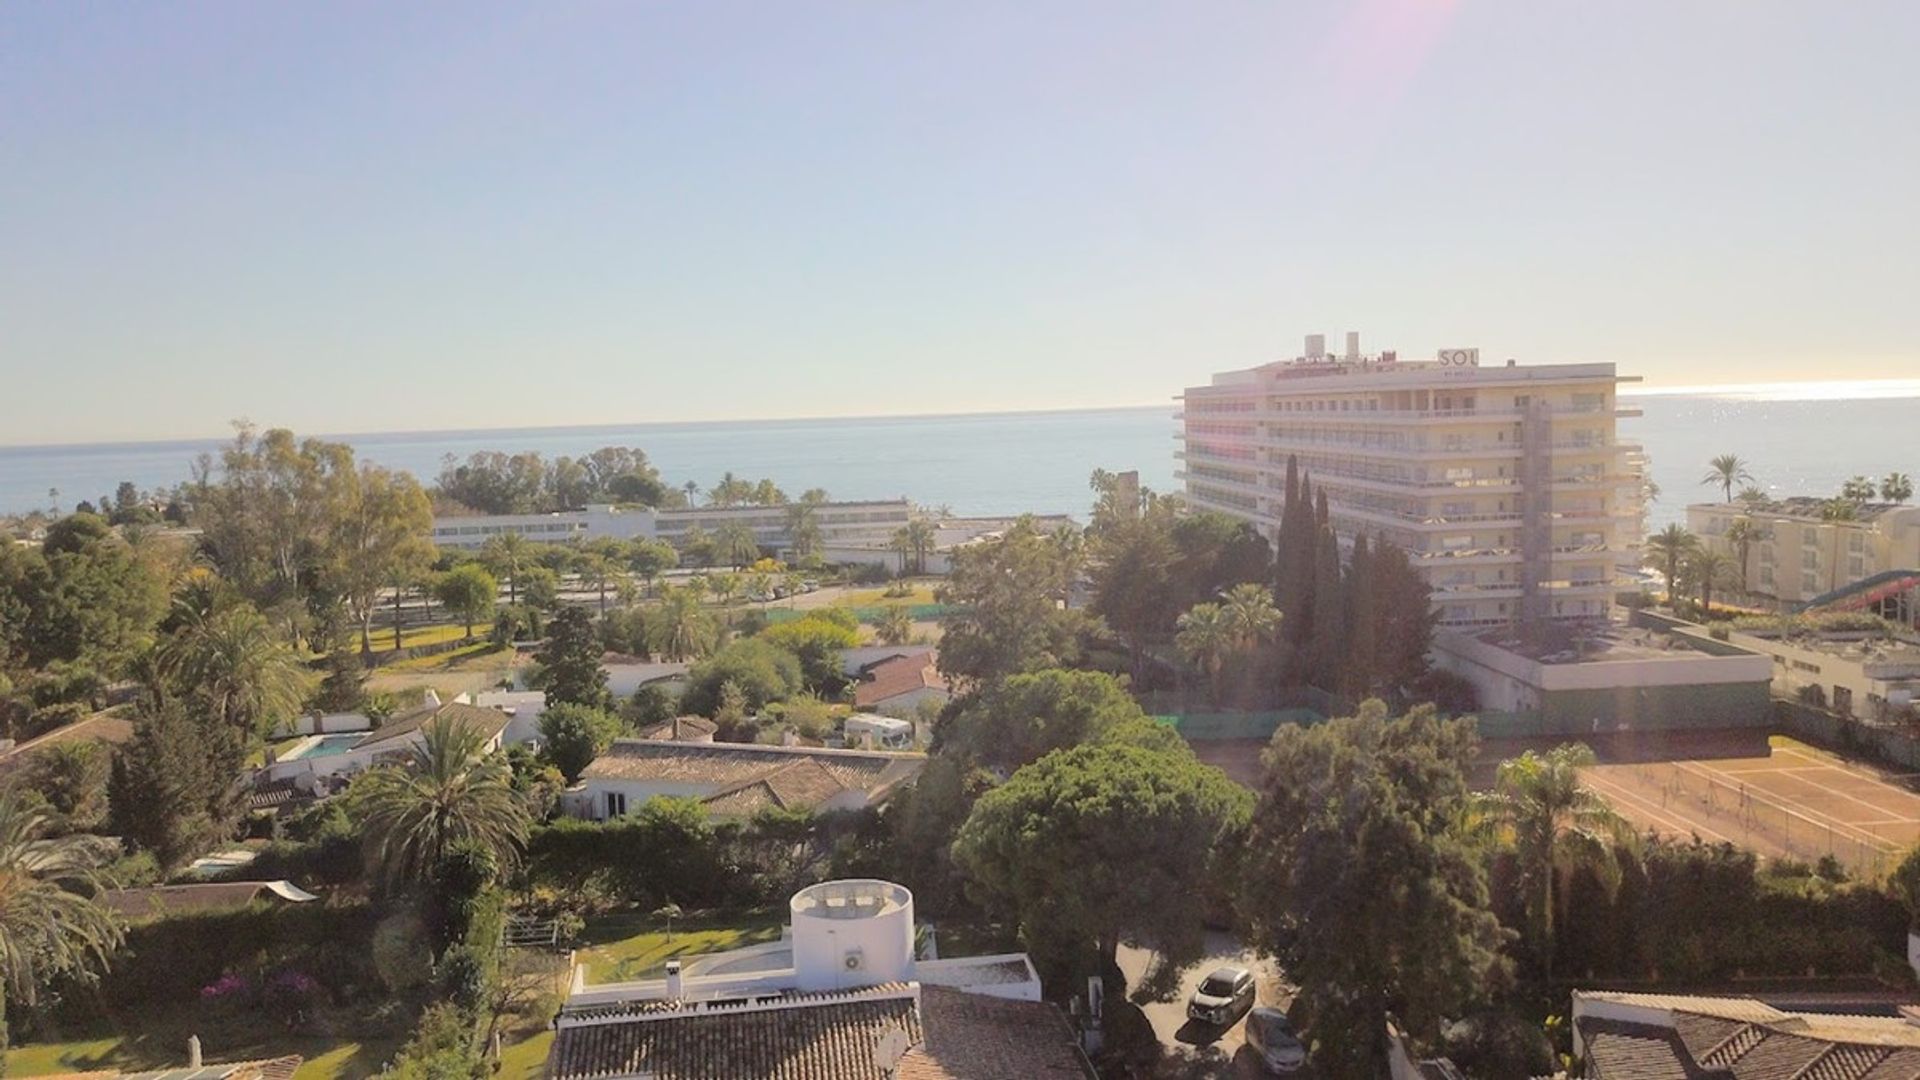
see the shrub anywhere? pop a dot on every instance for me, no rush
(178, 958)
(869, 574)
(54, 717)
(763, 671)
(664, 852)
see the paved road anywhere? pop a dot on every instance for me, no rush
(1201, 1051)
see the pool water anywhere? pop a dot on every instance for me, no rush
(330, 745)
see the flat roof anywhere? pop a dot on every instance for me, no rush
(1559, 644)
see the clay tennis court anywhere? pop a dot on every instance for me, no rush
(1785, 799)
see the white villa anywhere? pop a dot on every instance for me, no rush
(846, 992)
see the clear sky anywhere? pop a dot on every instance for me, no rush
(371, 216)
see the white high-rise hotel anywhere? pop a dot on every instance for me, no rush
(1505, 484)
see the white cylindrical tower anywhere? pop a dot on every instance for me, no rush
(857, 932)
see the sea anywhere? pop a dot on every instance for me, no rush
(1008, 463)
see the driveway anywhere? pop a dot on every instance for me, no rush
(1198, 1050)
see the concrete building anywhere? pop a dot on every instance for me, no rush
(1864, 675)
(851, 990)
(1801, 555)
(1508, 485)
(1601, 678)
(843, 525)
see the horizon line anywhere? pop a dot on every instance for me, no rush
(1802, 390)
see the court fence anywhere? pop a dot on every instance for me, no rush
(1890, 744)
(1736, 809)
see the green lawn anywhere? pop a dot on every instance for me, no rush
(624, 948)
(326, 1058)
(922, 594)
(448, 661)
(525, 1060)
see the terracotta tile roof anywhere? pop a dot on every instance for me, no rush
(275, 793)
(889, 679)
(796, 785)
(683, 729)
(1618, 1050)
(974, 1037)
(1700, 1047)
(489, 722)
(1727, 1008)
(732, 767)
(100, 727)
(1846, 1061)
(804, 1037)
(1903, 1064)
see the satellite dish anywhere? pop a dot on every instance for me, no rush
(889, 1049)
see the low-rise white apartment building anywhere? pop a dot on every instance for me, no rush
(1506, 484)
(842, 525)
(1801, 554)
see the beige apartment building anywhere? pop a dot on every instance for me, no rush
(1801, 555)
(1506, 484)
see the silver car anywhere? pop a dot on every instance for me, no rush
(1222, 996)
(1270, 1034)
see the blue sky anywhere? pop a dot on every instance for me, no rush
(351, 217)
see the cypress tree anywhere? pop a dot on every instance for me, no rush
(1406, 619)
(1363, 616)
(1329, 646)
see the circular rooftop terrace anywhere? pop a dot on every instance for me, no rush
(854, 898)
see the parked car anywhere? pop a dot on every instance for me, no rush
(1222, 996)
(1270, 1034)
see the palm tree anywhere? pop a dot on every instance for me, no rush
(916, 537)
(1743, 534)
(237, 665)
(1859, 490)
(901, 544)
(49, 925)
(1897, 487)
(1839, 508)
(692, 489)
(1250, 615)
(735, 544)
(803, 527)
(895, 626)
(1556, 827)
(681, 629)
(1753, 496)
(1708, 569)
(450, 792)
(1205, 637)
(1671, 545)
(596, 570)
(1725, 471)
(507, 553)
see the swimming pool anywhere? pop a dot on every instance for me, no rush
(325, 746)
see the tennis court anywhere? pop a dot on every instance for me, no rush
(1794, 801)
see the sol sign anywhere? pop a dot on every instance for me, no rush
(1459, 357)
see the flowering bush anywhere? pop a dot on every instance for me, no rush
(226, 988)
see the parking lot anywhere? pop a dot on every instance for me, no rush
(1197, 1050)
